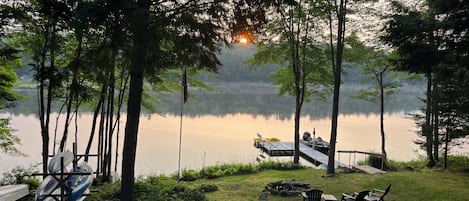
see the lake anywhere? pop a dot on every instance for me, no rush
(211, 140)
(219, 128)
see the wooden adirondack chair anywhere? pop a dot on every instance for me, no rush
(355, 196)
(312, 195)
(377, 194)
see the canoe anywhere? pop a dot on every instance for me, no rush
(54, 163)
(47, 187)
(77, 185)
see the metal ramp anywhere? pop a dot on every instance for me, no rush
(362, 168)
(367, 169)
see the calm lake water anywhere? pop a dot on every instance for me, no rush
(211, 140)
(219, 127)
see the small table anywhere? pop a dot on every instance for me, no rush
(328, 197)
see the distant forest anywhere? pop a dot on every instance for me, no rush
(239, 88)
(233, 68)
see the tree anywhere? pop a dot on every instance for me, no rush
(450, 99)
(178, 33)
(339, 9)
(410, 32)
(9, 59)
(383, 81)
(433, 42)
(302, 58)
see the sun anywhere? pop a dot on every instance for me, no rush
(243, 40)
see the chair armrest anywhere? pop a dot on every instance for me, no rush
(347, 197)
(376, 191)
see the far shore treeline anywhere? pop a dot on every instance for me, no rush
(236, 88)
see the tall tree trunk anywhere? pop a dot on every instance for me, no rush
(42, 107)
(135, 97)
(122, 90)
(448, 130)
(381, 119)
(297, 75)
(101, 136)
(110, 123)
(296, 157)
(436, 135)
(427, 128)
(337, 69)
(93, 125)
(72, 88)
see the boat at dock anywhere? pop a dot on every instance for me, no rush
(316, 143)
(312, 149)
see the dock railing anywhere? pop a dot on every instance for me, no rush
(354, 152)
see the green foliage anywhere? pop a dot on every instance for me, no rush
(377, 68)
(217, 171)
(377, 162)
(191, 195)
(108, 191)
(189, 175)
(455, 163)
(155, 188)
(7, 139)
(275, 165)
(418, 164)
(9, 59)
(21, 175)
(226, 170)
(207, 188)
(317, 73)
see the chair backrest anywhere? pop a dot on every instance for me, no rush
(313, 195)
(361, 195)
(385, 192)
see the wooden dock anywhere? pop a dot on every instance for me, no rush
(287, 149)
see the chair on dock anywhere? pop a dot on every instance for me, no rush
(377, 194)
(355, 196)
(312, 195)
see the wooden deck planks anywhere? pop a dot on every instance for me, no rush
(367, 169)
(287, 149)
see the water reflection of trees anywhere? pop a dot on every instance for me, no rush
(264, 101)
(256, 100)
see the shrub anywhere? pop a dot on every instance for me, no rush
(207, 188)
(21, 175)
(192, 195)
(455, 162)
(189, 175)
(108, 191)
(377, 162)
(266, 165)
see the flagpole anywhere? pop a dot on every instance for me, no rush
(183, 99)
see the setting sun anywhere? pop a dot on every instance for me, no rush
(243, 40)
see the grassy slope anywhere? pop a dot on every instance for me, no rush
(427, 185)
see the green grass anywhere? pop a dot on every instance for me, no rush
(411, 181)
(425, 185)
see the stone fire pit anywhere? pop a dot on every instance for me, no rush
(286, 188)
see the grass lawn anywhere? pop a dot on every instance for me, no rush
(425, 185)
